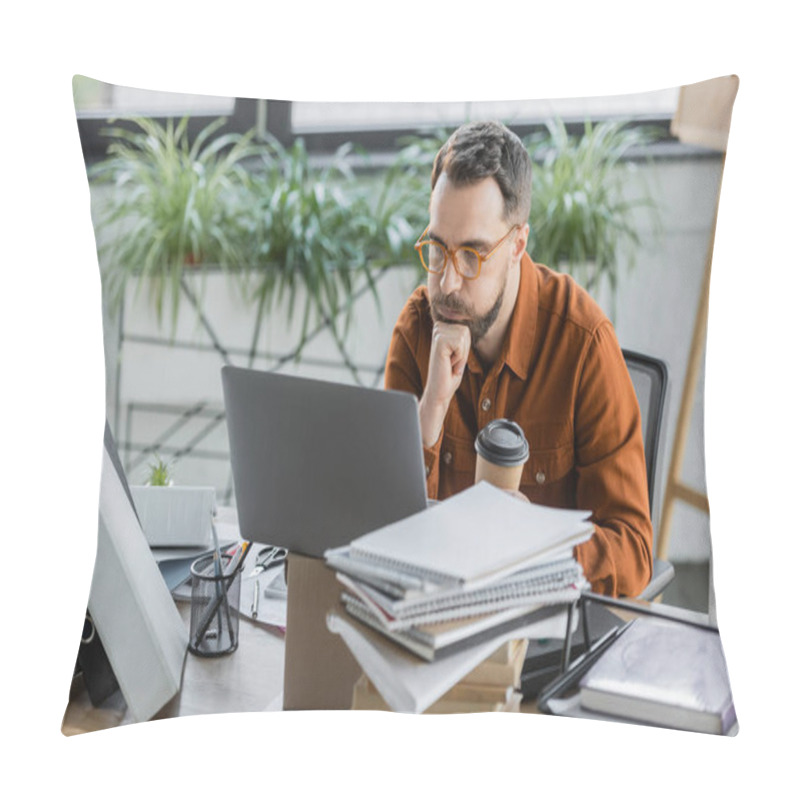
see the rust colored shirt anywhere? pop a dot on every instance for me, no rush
(561, 376)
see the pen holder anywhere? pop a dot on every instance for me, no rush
(214, 623)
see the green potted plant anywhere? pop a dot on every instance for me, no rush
(581, 220)
(171, 207)
(283, 226)
(401, 198)
(311, 229)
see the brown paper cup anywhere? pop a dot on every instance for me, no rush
(502, 477)
(502, 451)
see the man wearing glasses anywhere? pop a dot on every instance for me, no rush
(494, 335)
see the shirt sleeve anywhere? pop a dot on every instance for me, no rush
(611, 472)
(404, 373)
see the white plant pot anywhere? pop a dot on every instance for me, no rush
(175, 516)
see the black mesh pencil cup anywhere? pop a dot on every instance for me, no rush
(214, 624)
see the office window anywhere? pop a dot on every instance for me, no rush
(312, 117)
(95, 98)
(375, 127)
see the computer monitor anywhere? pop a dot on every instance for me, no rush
(141, 630)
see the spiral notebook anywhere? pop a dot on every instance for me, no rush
(435, 639)
(474, 538)
(562, 583)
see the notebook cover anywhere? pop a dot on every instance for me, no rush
(473, 537)
(659, 669)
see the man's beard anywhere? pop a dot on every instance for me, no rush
(478, 326)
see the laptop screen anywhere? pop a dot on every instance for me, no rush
(316, 464)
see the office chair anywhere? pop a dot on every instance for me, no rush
(545, 660)
(649, 376)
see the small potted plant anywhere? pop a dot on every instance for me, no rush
(160, 473)
(170, 515)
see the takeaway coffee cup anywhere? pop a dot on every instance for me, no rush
(502, 452)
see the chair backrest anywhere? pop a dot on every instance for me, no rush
(649, 376)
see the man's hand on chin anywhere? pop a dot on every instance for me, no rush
(449, 353)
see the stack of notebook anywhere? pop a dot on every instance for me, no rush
(476, 568)
(494, 685)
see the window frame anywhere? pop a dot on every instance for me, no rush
(249, 113)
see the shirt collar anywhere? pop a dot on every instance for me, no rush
(517, 350)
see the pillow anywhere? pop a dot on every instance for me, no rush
(198, 277)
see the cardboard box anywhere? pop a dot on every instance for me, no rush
(319, 671)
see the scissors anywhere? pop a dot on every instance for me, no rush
(267, 556)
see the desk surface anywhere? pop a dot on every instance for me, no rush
(249, 679)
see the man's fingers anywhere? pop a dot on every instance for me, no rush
(449, 354)
(454, 338)
(459, 362)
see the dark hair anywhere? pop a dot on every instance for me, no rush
(479, 150)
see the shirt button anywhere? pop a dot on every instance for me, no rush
(448, 457)
(486, 404)
(427, 469)
(540, 477)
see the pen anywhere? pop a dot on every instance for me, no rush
(217, 572)
(237, 560)
(254, 606)
(227, 581)
(579, 668)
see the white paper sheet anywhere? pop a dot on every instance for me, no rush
(405, 682)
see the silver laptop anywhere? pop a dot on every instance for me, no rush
(316, 464)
